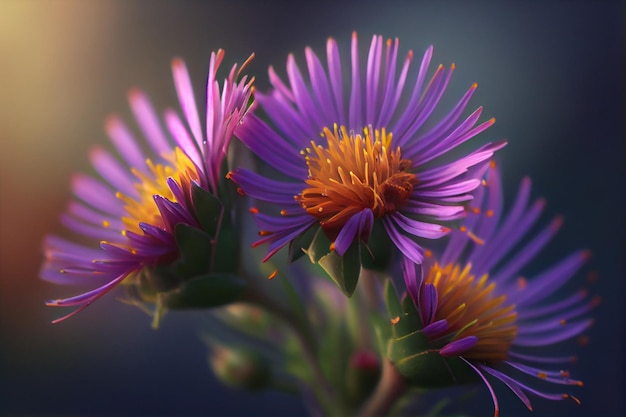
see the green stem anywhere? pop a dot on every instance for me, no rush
(303, 334)
(390, 388)
(368, 304)
(371, 292)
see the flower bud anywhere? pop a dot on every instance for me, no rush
(240, 368)
(362, 376)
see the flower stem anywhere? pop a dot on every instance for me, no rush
(390, 388)
(367, 303)
(303, 334)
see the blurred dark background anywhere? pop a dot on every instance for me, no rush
(551, 72)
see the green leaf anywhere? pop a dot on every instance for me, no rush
(391, 300)
(298, 246)
(376, 255)
(344, 270)
(428, 369)
(196, 249)
(319, 247)
(206, 291)
(208, 209)
(226, 258)
(403, 317)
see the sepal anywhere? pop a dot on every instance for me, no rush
(214, 219)
(376, 254)
(344, 270)
(412, 353)
(196, 250)
(207, 208)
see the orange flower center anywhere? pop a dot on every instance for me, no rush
(352, 173)
(471, 309)
(154, 182)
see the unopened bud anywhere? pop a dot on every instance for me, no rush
(240, 368)
(363, 375)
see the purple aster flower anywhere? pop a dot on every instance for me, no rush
(133, 209)
(373, 159)
(475, 307)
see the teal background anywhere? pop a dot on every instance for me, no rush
(551, 72)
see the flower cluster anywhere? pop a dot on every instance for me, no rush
(356, 173)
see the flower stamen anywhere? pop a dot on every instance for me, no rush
(154, 182)
(352, 173)
(472, 309)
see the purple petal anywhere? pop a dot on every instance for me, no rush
(436, 328)
(302, 96)
(551, 280)
(280, 239)
(412, 281)
(265, 189)
(493, 394)
(354, 120)
(125, 143)
(566, 332)
(454, 189)
(97, 232)
(111, 170)
(186, 97)
(96, 194)
(511, 383)
(429, 300)
(85, 299)
(527, 253)
(502, 377)
(410, 111)
(272, 148)
(417, 228)
(407, 246)
(556, 377)
(458, 347)
(386, 106)
(553, 308)
(372, 78)
(334, 71)
(181, 136)
(94, 217)
(148, 122)
(321, 89)
(543, 359)
(356, 227)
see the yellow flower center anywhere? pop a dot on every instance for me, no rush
(352, 173)
(471, 309)
(154, 182)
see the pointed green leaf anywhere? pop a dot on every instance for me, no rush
(428, 369)
(206, 291)
(391, 300)
(196, 248)
(376, 255)
(298, 246)
(208, 209)
(344, 270)
(319, 247)
(226, 249)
